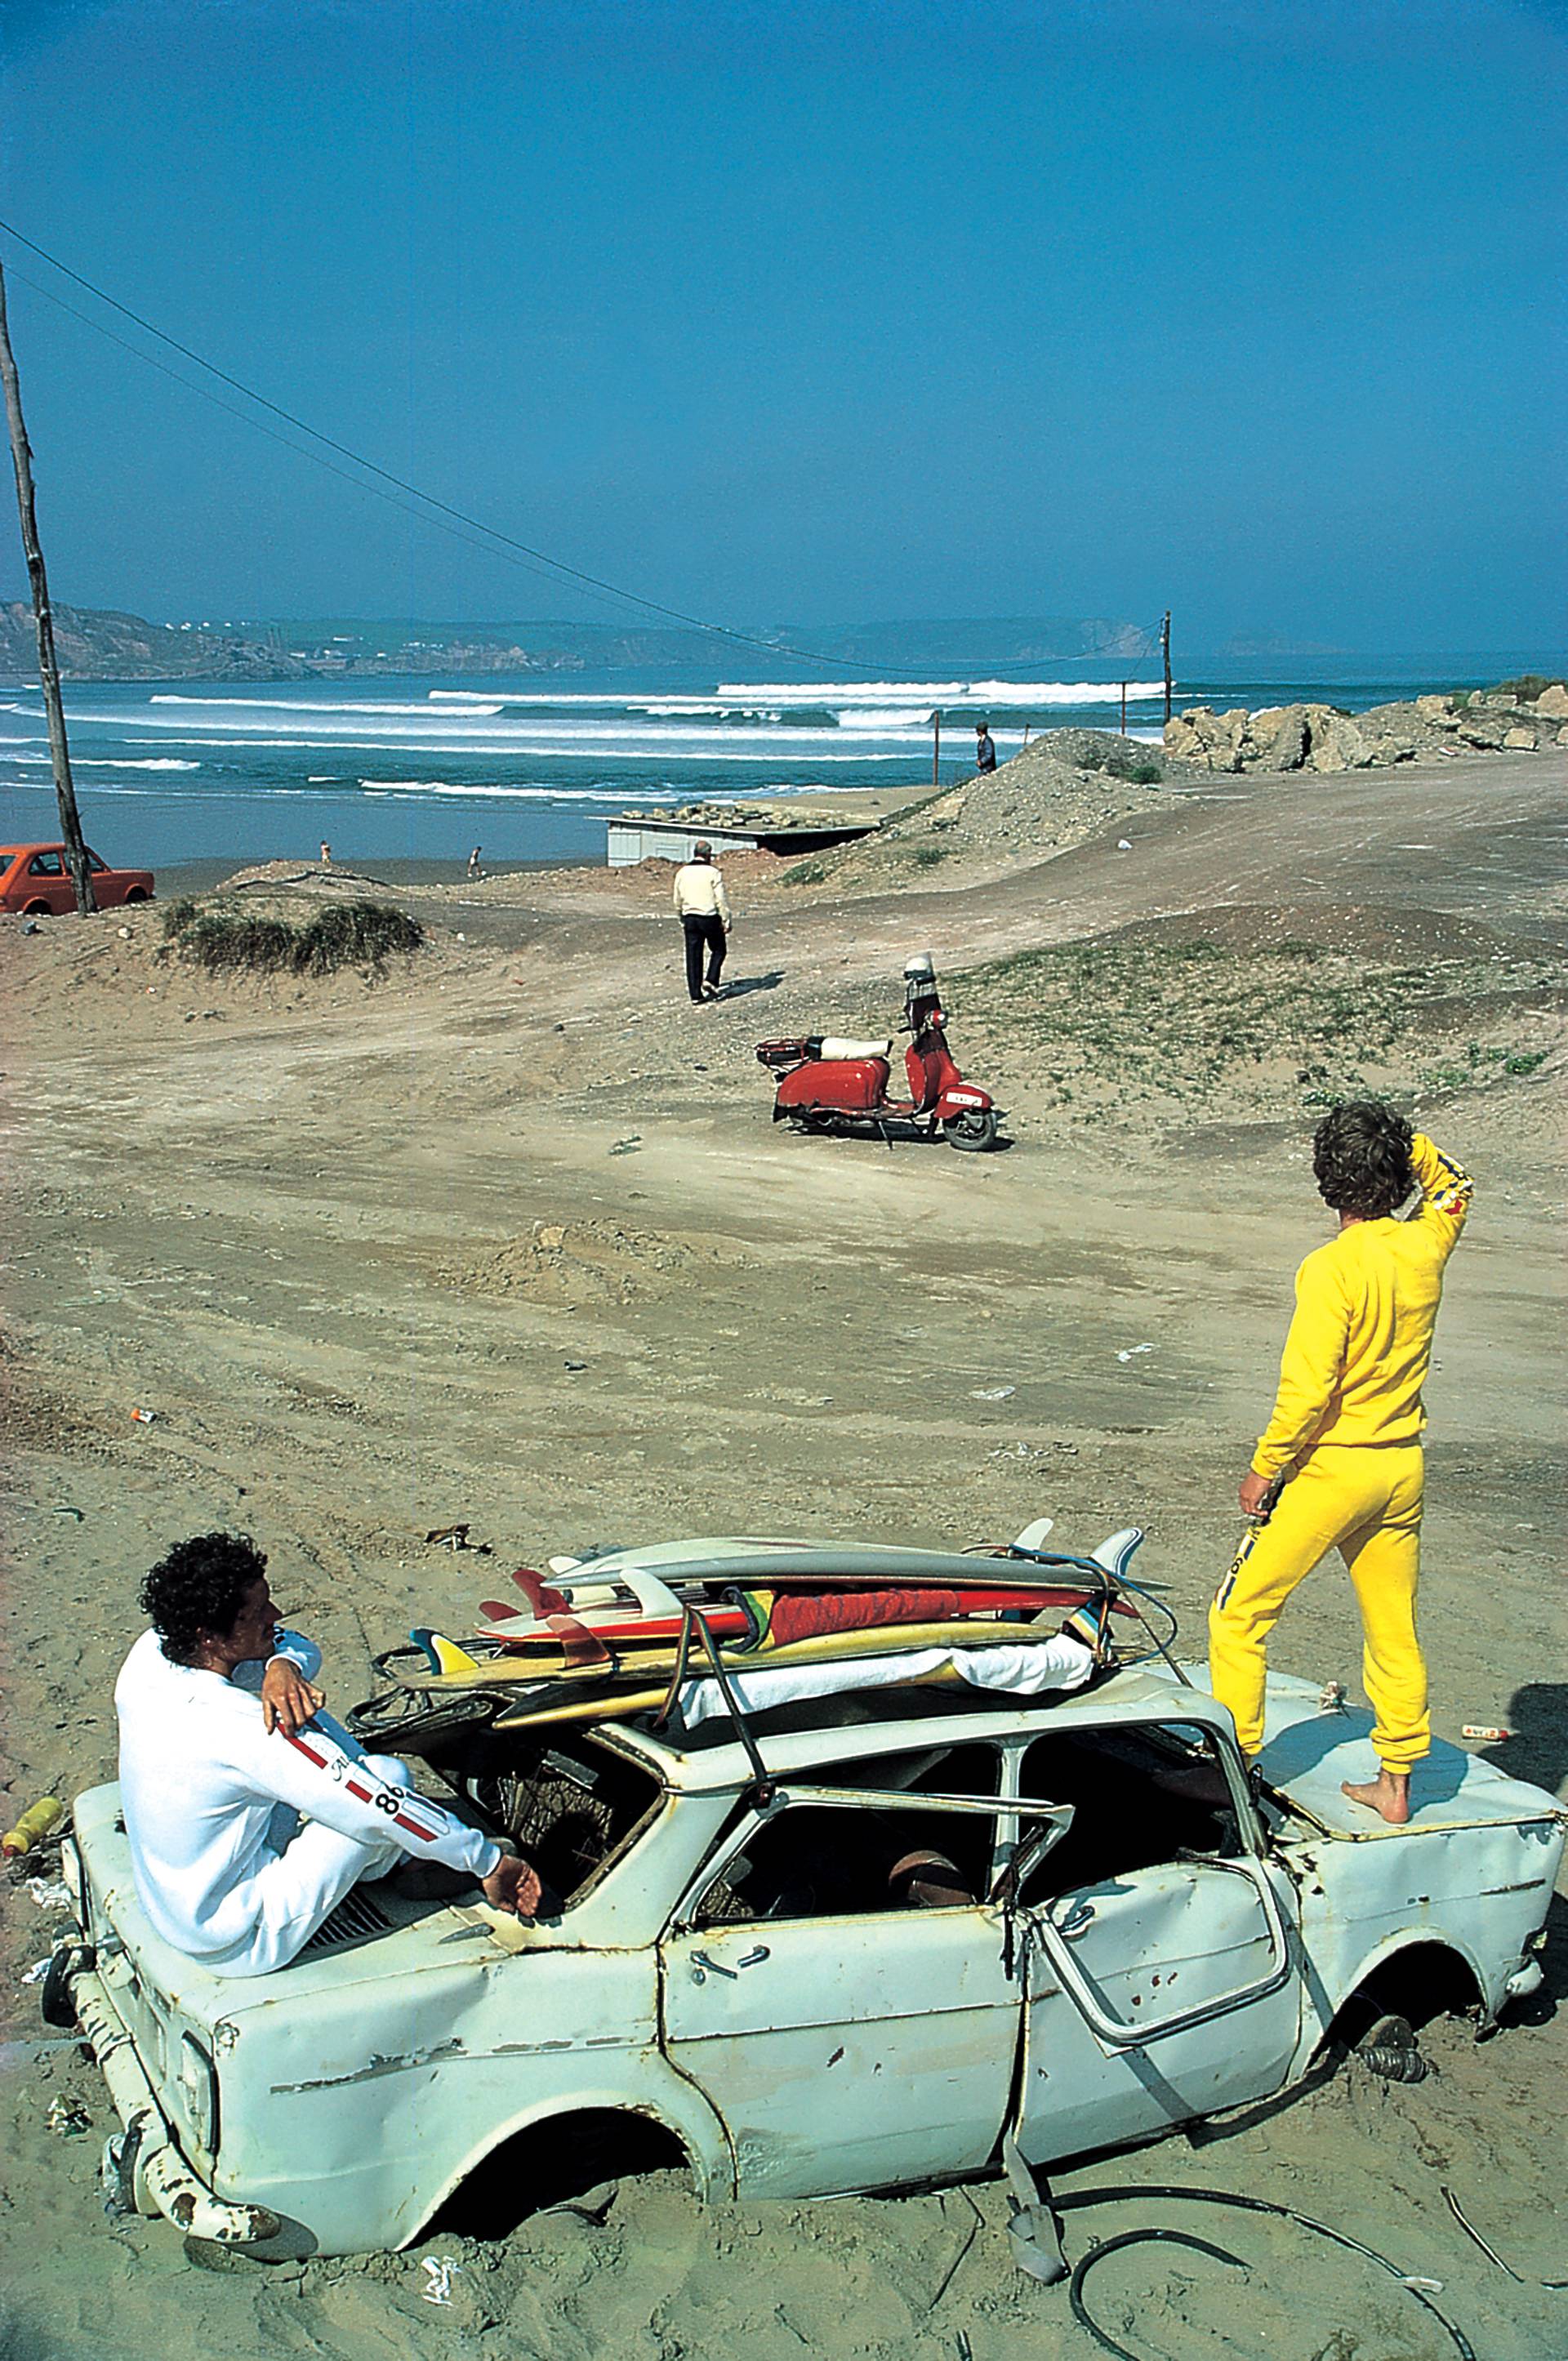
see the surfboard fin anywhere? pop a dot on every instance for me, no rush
(445, 1654)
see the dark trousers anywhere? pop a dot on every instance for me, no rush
(703, 933)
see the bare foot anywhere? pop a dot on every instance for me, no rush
(1388, 1793)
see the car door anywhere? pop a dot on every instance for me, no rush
(850, 2036)
(49, 882)
(1161, 1971)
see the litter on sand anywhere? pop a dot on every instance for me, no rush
(626, 1147)
(36, 1974)
(992, 1393)
(69, 2117)
(439, 2272)
(49, 1893)
(1133, 1350)
(1484, 1733)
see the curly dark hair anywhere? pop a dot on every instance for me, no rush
(199, 1588)
(1361, 1155)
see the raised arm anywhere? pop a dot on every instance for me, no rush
(286, 1682)
(1446, 1188)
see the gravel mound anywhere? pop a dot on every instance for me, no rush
(1060, 789)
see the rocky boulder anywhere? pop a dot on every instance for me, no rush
(1322, 738)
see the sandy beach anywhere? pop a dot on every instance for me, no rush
(506, 1236)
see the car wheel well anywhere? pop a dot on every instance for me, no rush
(38, 910)
(556, 2162)
(1420, 1982)
(136, 894)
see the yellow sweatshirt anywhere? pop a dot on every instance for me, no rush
(1360, 1343)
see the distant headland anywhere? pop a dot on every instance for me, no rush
(102, 643)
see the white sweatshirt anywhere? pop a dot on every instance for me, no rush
(700, 892)
(201, 1778)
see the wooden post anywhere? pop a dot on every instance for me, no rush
(1124, 708)
(1165, 650)
(936, 747)
(49, 670)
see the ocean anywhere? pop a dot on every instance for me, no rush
(530, 765)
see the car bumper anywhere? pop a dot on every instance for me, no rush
(144, 2170)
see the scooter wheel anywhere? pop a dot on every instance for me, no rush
(974, 1129)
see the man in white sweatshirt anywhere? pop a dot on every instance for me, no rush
(703, 910)
(224, 1749)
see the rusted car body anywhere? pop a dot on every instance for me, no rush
(758, 1968)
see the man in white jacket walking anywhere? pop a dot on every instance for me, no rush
(224, 1749)
(703, 910)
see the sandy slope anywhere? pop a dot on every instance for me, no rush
(315, 1228)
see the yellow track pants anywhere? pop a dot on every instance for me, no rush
(1365, 1500)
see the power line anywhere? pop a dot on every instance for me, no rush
(301, 450)
(515, 552)
(538, 557)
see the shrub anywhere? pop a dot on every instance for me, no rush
(803, 873)
(928, 855)
(347, 934)
(1529, 686)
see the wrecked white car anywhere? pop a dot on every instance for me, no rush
(851, 1942)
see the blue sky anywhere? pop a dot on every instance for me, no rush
(811, 312)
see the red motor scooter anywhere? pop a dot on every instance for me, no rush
(828, 1085)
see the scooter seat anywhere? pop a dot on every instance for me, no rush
(833, 1046)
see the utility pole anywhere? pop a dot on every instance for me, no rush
(935, 746)
(1165, 650)
(1124, 708)
(48, 669)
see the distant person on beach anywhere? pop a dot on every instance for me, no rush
(248, 1811)
(984, 747)
(703, 910)
(474, 868)
(1340, 1463)
(326, 856)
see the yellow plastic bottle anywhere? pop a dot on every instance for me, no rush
(32, 1828)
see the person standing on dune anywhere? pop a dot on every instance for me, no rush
(1340, 1463)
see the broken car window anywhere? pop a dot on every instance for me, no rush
(831, 1860)
(1141, 1794)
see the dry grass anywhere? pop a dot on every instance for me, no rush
(1167, 1025)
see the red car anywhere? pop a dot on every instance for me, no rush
(35, 880)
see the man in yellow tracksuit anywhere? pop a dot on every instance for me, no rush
(1343, 1447)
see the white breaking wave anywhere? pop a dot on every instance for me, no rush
(521, 795)
(107, 762)
(303, 705)
(1009, 694)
